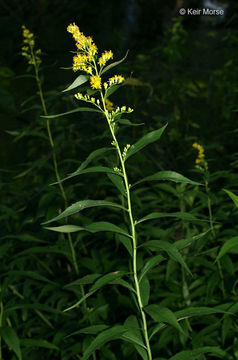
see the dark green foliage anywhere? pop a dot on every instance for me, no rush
(183, 76)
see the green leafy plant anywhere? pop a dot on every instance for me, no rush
(135, 329)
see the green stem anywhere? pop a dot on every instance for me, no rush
(54, 156)
(133, 232)
(209, 205)
(1, 315)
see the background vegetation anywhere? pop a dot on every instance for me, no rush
(180, 70)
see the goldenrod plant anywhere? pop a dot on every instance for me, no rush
(33, 58)
(142, 327)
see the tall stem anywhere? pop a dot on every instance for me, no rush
(54, 155)
(209, 205)
(1, 315)
(133, 232)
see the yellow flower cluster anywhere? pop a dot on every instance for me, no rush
(201, 163)
(107, 55)
(84, 43)
(95, 82)
(201, 155)
(87, 98)
(33, 57)
(109, 105)
(84, 59)
(82, 62)
(122, 109)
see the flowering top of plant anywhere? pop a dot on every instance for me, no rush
(87, 61)
(200, 161)
(28, 51)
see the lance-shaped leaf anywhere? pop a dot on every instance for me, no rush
(118, 182)
(134, 336)
(144, 290)
(70, 112)
(152, 262)
(233, 197)
(167, 175)
(105, 279)
(81, 79)
(92, 330)
(38, 343)
(81, 205)
(92, 156)
(230, 245)
(179, 215)
(93, 228)
(187, 313)
(113, 333)
(129, 123)
(112, 65)
(196, 354)
(164, 315)
(144, 141)
(171, 250)
(10, 337)
(93, 169)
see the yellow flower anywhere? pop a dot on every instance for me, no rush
(32, 56)
(95, 82)
(200, 157)
(109, 105)
(83, 42)
(107, 55)
(116, 79)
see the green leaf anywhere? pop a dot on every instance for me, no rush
(155, 260)
(115, 63)
(181, 244)
(167, 175)
(233, 197)
(144, 141)
(144, 290)
(65, 228)
(126, 242)
(111, 90)
(134, 336)
(187, 313)
(169, 248)
(93, 169)
(106, 226)
(129, 123)
(163, 314)
(92, 330)
(197, 311)
(38, 343)
(92, 156)
(196, 354)
(105, 279)
(10, 337)
(87, 279)
(113, 333)
(81, 205)
(229, 246)
(118, 182)
(81, 79)
(123, 283)
(70, 112)
(157, 215)
(31, 274)
(93, 228)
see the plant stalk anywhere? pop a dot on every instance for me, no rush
(133, 232)
(54, 156)
(209, 205)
